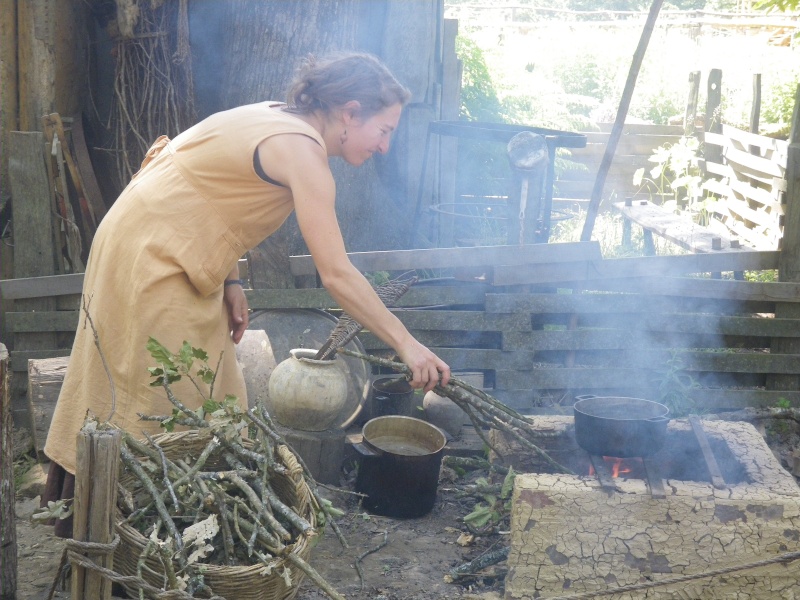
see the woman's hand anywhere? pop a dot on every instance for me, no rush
(427, 369)
(238, 311)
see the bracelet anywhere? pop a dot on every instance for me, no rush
(228, 282)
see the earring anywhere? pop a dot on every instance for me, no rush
(343, 137)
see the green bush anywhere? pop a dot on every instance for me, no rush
(777, 102)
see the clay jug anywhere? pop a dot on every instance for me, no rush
(307, 394)
(444, 413)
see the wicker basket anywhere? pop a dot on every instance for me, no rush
(248, 582)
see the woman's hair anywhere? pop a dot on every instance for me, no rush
(330, 83)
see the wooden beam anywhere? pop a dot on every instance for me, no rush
(33, 243)
(435, 258)
(8, 519)
(628, 268)
(40, 287)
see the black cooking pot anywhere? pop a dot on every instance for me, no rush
(399, 467)
(620, 427)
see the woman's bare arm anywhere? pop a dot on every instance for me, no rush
(300, 163)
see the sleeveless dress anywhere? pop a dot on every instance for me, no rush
(156, 269)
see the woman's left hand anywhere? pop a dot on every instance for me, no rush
(238, 311)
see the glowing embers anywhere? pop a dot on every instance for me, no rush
(622, 467)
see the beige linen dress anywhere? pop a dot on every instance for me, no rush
(157, 266)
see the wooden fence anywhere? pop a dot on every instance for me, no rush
(545, 323)
(575, 178)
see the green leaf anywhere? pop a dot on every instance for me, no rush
(159, 352)
(210, 405)
(480, 516)
(186, 354)
(168, 424)
(200, 354)
(206, 375)
(508, 484)
(638, 175)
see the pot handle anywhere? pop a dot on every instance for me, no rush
(363, 450)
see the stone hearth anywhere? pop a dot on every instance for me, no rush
(570, 535)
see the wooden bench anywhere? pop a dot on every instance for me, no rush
(676, 228)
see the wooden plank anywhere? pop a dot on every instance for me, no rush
(579, 339)
(468, 293)
(591, 303)
(34, 251)
(754, 166)
(746, 139)
(644, 129)
(676, 228)
(723, 361)
(45, 378)
(769, 198)
(42, 321)
(711, 462)
(479, 359)
(41, 286)
(629, 144)
(544, 377)
(624, 268)
(8, 519)
(706, 288)
(647, 331)
(461, 320)
(20, 358)
(85, 171)
(439, 339)
(436, 258)
(742, 210)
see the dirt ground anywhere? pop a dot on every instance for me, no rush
(411, 565)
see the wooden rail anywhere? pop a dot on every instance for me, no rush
(542, 332)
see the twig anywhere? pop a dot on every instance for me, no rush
(367, 553)
(165, 469)
(133, 464)
(227, 536)
(497, 414)
(314, 576)
(86, 304)
(266, 425)
(484, 560)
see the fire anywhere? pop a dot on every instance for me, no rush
(619, 466)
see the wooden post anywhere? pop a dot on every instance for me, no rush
(619, 122)
(33, 246)
(448, 146)
(713, 122)
(690, 117)
(755, 109)
(789, 260)
(8, 526)
(95, 501)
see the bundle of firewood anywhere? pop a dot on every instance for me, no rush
(223, 508)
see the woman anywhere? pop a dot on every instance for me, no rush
(163, 263)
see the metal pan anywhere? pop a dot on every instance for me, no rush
(620, 427)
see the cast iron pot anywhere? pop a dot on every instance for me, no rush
(399, 466)
(620, 427)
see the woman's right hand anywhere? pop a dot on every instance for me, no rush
(427, 369)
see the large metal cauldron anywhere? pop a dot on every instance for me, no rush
(620, 427)
(400, 463)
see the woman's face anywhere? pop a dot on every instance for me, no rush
(366, 137)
